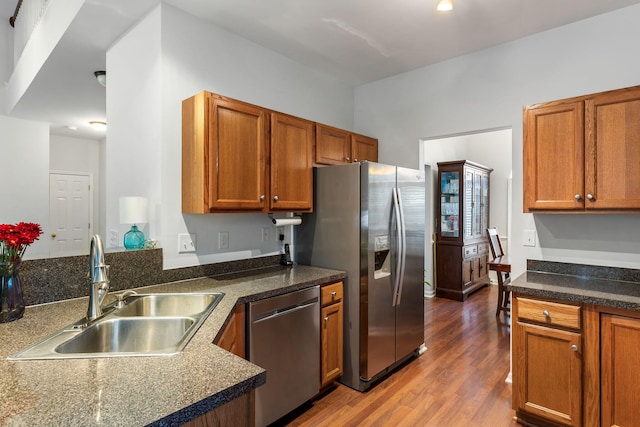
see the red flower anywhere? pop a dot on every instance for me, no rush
(14, 239)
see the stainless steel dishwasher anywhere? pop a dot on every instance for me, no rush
(284, 339)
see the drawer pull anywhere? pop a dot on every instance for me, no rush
(545, 313)
(574, 347)
(333, 294)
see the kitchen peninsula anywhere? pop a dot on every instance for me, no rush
(138, 390)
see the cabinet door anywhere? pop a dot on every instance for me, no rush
(553, 157)
(332, 335)
(613, 150)
(291, 163)
(237, 169)
(449, 224)
(467, 273)
(548, 373)
(333, 146)
(364, 148)
(620, 376)
(233, 337)
(484, 203)
(467, 206)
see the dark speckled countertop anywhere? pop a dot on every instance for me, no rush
(132, 391)
(605, 286)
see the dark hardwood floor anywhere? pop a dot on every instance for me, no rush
(458, 381)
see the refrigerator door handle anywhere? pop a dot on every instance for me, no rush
(403, 243)
(399, 255)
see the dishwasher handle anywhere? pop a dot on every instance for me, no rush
(272, 314)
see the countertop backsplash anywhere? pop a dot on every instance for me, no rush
(582, 270)
(57, 279)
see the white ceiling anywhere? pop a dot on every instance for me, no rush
(357, 41)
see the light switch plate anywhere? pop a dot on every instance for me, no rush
(528, 237)
(186, 243)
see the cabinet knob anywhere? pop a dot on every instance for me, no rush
(577, 197)
(355, 160)
(545, 313)
(326, 319)
(333, 294)
(574, 347)
(275, 198)
(53, 235)
(348, 159)
(590, 197)
(262, 197)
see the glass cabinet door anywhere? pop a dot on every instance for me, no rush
(468, 204)
(450, 204)
(484, 206)
(477, 204)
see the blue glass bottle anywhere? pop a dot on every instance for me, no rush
(134, 238)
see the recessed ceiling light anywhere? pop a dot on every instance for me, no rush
(445, 5)
(98, 125)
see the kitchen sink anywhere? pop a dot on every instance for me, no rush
(138, 325)
(167, 304)
(130, 335)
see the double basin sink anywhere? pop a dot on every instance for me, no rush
(138, 325)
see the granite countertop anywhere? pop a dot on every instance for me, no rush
(155, 390)
(569, 286)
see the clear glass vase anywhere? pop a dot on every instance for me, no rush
(11, 297)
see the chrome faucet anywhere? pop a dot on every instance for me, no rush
(99, 278)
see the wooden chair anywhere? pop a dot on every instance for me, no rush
(501, 264)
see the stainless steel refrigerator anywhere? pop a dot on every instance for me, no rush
(369, 220)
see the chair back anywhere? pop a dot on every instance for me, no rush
(494, 242)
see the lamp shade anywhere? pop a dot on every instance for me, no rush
(134, 210)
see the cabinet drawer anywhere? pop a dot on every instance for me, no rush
(483, 248)
(550, 313)
(331, 293)
(470, 251)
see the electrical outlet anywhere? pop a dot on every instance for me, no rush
(265, 234)
(186, 243)
(529, 237)
(223, 240)
(114, 238)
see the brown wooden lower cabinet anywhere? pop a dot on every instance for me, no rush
(620, 387)
(239, 412)
(575, 365)
(331, 333)
(232, 337)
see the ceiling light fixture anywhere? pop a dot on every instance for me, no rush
(102, 77)
(99, 125)
(445, 5)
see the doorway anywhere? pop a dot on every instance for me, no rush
(70, 213)
(490, 147)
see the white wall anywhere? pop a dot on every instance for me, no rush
(69, 154)
(170, 56)
(24, 192)
(487, 90)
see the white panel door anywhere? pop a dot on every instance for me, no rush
(69, 211)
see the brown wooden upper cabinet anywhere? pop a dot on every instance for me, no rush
(336, 146)
(240, 157)
(582, 154)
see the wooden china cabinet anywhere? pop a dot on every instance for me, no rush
(462, 249)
